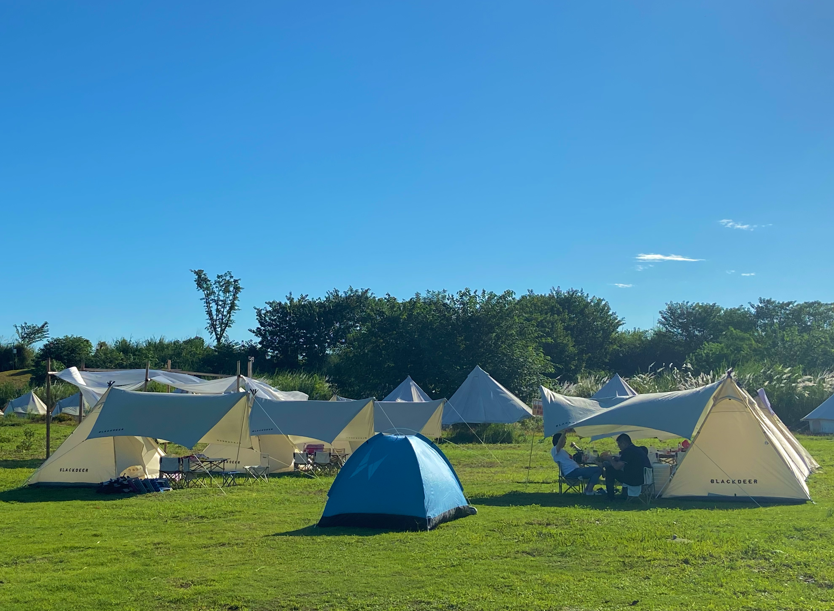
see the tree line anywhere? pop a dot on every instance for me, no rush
(366, 344)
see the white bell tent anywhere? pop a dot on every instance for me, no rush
(736, 453)
(338, 424)
(409, 417)
(70, 405)
(26, 405)
(121, 430)
(614, 388)
(480, 399)
(407, 391)
(821, 420)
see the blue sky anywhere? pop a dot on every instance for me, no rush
(409, 146)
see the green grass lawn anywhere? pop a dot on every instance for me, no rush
(529, 548)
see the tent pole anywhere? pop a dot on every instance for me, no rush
(530, 460)
(48, 403)
(238, 376)
(80, 407)
(147, 377)
(249, 367)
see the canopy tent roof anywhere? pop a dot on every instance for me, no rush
(662, 415)
(480, 399)
(25, 405)
(615, 388)
(92, 384)
(181, 418)
(825, 411)
(409, 417)
(397, 482)
(322, 420)
(407, 391)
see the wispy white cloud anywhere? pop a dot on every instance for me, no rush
(655, 257)
(731, 224)
(623, 286)
(731, 271)
(749, 274)
(640, 268)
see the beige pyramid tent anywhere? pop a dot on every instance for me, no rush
(736, 454)
(764, 405)
(409, 417)
(82, 461)
(26, 405)
(121, 431)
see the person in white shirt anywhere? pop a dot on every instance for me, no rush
(569, 467)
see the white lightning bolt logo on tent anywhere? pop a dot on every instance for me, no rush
(372, 466)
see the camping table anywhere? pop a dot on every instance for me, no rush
(209, 465)
(669, 459)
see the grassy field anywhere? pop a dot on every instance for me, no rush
(255, 546)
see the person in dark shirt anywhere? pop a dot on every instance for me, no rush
(628, 469)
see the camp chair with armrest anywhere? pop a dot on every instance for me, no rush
(644, 492)
(577, 484)
(301, 460)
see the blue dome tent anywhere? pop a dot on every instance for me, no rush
(398, 482)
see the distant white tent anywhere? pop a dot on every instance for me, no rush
(338, 398)
(69, 406)
(736, 452)
(26, 405)
(409, 417)
(615, 388)
(821, 420)
(480, 399)
(84, 461)
(339, 424)
(407, 391)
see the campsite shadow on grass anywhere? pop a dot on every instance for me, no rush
(31, 463)
(570, 499)
(315, 531)
(28, 494)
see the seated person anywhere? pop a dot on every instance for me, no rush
(628, 469)
(569, 468)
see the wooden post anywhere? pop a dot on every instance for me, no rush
(48, 403)
(249, 368)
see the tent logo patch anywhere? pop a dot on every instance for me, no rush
(734, 481)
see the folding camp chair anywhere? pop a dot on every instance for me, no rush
(301, 460)
(644, 492)
(321, 461)
(259, 472)
(575, 484)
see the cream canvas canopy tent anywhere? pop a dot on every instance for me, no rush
(92, 384)
(480, 399)
(821, 420)
(736, 452)
(122, 429)
(409, 417)
(26, 405)
(561, 412)
(339, 424)
(407, 391)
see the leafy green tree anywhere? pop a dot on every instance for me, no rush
(71, 350)
(31, 334)
(220, 300)
(303, 332)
